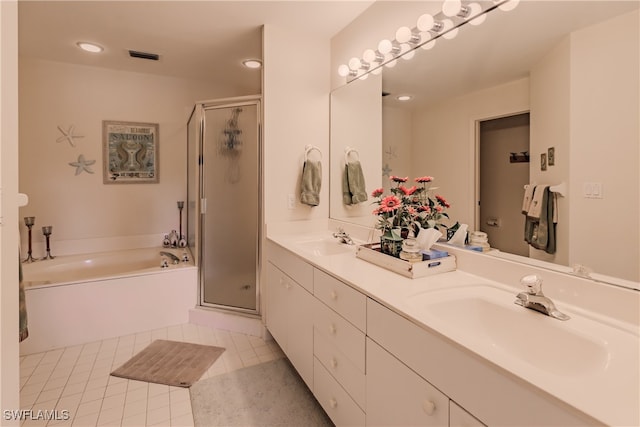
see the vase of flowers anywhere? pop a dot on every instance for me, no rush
(405, 211)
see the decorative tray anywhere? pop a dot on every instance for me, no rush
(371, 252)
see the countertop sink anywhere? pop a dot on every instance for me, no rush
(487, 316)
(325, 246)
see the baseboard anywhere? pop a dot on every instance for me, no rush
(214, 318)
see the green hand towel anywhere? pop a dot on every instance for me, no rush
(311, 183)
(356, 182)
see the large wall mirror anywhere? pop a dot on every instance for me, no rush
(547, 93)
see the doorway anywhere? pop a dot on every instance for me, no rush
(503, 151)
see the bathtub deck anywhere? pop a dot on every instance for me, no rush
(77, 378)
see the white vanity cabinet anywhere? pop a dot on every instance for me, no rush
(289, 308)
(339, 324)
(397, 396)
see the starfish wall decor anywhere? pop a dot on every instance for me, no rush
(68, 135)
(82, 165)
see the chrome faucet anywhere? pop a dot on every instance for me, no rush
(174, 258)
(534, 299)
(343, 236)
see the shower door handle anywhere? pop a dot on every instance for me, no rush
(203, 206)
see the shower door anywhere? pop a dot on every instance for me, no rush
(230, 182)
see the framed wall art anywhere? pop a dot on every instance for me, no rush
(130, 152)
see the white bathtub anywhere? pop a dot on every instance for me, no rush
(76, 299)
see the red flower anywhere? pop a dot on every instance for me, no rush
(389, 204)
(407, 191)
(424, 179)
(377, 192)
(398, 179)
(442, 201)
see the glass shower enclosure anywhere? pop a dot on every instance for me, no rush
(224, 188)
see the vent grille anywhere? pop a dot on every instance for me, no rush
(144, 55)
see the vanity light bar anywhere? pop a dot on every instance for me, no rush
(428, 28)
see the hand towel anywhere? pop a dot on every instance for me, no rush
(536, 207)
(23, 330)
(355, 180)
(540, 226)
(528, 195)
(311, 183)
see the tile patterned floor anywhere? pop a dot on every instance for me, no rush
(76, 379)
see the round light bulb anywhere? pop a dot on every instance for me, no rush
(354, 63)
(509, 5)
(369, 55)
(390, 60)
(385, 46)
(425, 22)
(343, 70)
(475, 14)
(449, 31)
(429, 45)
(451, 7)
(403, 34)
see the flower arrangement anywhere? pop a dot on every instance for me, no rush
(409, 209)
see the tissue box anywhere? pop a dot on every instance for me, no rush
(433, 254)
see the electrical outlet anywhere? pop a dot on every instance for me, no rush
(291, 201)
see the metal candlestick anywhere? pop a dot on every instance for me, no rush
(180, 206)
(29, 221)
(46, 230)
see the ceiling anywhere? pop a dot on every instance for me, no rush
(194, 39)
(502, 49)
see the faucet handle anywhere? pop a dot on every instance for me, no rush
(532, 283)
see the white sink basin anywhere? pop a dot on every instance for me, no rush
(487, 316)
(325, 246)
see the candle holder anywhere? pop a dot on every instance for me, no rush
(29, 221)
(180, 207)
(46, 230)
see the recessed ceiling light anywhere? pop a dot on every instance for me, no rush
(404, 97)
(90, 47)
(252, 63)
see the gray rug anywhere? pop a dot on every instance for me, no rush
(268, 394)
(170, 362)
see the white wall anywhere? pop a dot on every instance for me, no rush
(9, 371)
(550, 127)
(605, 146)
(296, 113)
(80, 207)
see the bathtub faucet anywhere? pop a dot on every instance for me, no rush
(174, 258)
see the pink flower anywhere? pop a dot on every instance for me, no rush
(377, 192)
(398, 179)
(389, 204)
(426, 209)
(377, 211)
(408, 191)
(439, 208)
(442, 201)
(424, 179)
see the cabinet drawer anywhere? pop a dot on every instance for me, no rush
(340, 333)
(340, 367)
(294, 266)
(342, 410)
(458, 417)
(398, 396)
(348, 302)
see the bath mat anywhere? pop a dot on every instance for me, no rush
(268, 394)
(172, 363)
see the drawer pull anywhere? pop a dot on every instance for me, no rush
(334, 363)
(429, 407)
(333, 295)
(333, 403)
(333, 329)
